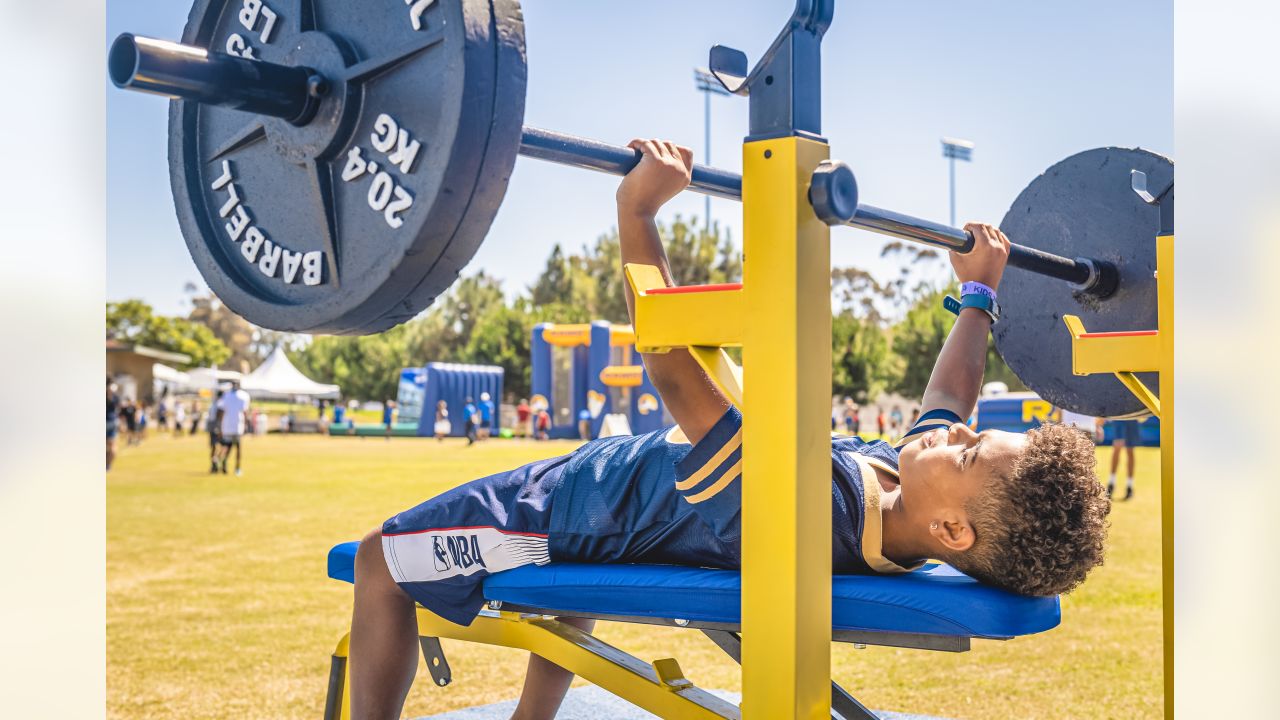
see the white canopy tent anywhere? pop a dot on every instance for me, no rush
(170, 376)
(276, 377)
(210, 378)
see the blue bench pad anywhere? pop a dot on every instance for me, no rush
(936, 599)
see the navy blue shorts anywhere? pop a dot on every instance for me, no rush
(441, 551)
(1129, 431)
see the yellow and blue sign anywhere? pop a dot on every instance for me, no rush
(1020, 412)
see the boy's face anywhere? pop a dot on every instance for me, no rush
(945, 468)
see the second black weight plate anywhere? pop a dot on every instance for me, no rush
(1082, 207)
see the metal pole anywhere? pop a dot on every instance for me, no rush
(213, 78)
(706, 137)
(263, 88)
(952, 161)
(615, 160)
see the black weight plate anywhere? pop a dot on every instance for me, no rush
(310, 240)
(1082, 207)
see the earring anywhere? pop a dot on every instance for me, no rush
(933, 525)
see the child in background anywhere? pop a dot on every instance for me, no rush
(472, 416)
(487, 415)
(523, 413)
(442, 425)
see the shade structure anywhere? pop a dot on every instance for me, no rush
(170, 376)
(277, 377)
(210, 378)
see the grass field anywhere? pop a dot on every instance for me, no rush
(218, 605)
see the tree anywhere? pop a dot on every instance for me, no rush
(365, 367)
(594, 280)
(238, 334)
(501, 337)
(698, 257)
(442, 333)
(859, 293)
(134, 322)
(603, 266)
(553, 285)
(861, 365)
(919, 337)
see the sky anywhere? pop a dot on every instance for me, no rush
(1030, 83)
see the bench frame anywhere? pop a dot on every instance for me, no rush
(659, 687)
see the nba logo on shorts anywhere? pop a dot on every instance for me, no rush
(441, 557)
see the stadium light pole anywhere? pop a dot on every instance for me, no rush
(708, 85)
(955, 149)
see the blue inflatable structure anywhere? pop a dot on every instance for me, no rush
(421, 388)
(591, 370)
(1020, 412)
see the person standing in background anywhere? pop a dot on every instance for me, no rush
(195, 418)
(113, 421)
(162, 413)
(442, 426)
(523, 413)
(1127, 436)
(179, 418)
(543, 431)
(850, 416)
(486, 416)
(129, 420)
(388, 415)
(232, 416)
(880, 422)
(584, 424)
(211, 427)
(895, 421)
(472, 416)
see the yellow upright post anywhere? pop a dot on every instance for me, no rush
(786, 492)
(1164, 298)
(1127, 353)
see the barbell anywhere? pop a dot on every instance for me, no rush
(336, 165)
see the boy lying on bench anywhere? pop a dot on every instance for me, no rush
(1022, 512)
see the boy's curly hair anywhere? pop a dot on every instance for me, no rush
(1040, 529)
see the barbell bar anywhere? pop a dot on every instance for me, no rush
(291, 93)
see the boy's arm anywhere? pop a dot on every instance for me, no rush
(957, 374)
(694, 401)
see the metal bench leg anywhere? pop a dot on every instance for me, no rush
(843, 705)
(659, 687)
(337, 705)
(846, 707)
(433, 654)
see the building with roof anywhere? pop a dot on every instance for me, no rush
(132, 367)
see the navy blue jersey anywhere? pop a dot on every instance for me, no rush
(649, 498)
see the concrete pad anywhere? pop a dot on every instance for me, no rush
(592, 703)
